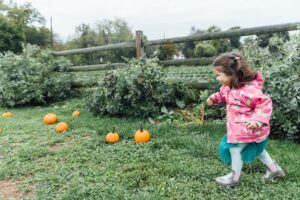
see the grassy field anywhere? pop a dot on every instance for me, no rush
(178, 163)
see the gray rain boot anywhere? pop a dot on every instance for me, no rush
(269, 176)
(227, 180)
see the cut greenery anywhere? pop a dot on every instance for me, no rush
(33, 77)
(138, 90)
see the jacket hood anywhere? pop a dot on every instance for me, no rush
(258, 82)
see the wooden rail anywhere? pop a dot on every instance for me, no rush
(95, 49)
(228, 34)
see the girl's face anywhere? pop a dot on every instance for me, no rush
(221, 76)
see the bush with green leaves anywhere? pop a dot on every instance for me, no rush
(205, 50)
(216, 112)
(282, 82)
(166, 51)
(33, 77)
(138, 90)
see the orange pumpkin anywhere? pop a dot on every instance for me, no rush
(142, 135)
(7, 114)
(112, 137)
(50, 118)
(61, 127)
(75, 113)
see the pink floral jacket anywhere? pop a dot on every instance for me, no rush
(245, 104)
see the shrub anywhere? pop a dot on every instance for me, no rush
(166, 51)
(138, 90)
(205, 50)
(282, 83)
(33, 77)
(216, 112)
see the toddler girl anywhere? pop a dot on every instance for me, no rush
(248, 112)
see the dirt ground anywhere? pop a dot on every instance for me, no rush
(9, 190)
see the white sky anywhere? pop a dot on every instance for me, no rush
(166, 18)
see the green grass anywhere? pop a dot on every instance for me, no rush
(178, 163)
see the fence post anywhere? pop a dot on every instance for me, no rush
(139, 44)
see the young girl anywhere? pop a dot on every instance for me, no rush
(248, 115)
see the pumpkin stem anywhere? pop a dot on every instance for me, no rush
(114, 129)
(141, 128)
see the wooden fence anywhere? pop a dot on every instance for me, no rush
(139, 44)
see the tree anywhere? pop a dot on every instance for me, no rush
(204, 50)
(85, 37)
(115, 31)
(166, 51)
(19, 25)
(10, 37)
(38, 36)
(102, 33)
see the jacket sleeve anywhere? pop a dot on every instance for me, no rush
(218, 97)
(262, 108)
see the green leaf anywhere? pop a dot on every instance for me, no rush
(180, 104)
(151, 120)
(164, 110)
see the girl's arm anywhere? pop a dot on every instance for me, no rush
(218, 97)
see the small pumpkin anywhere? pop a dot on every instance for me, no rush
(61, 127)
(50, 118)
(75, 113)
(112, 137)
(7, 114)
(142, 135)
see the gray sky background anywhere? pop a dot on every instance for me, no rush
(166, 18)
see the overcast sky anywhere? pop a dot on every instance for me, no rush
(166, 18)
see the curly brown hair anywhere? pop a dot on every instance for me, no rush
(234, 65)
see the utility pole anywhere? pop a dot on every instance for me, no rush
(51, 32)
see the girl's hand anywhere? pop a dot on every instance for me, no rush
(252, 125)
(209, 101)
